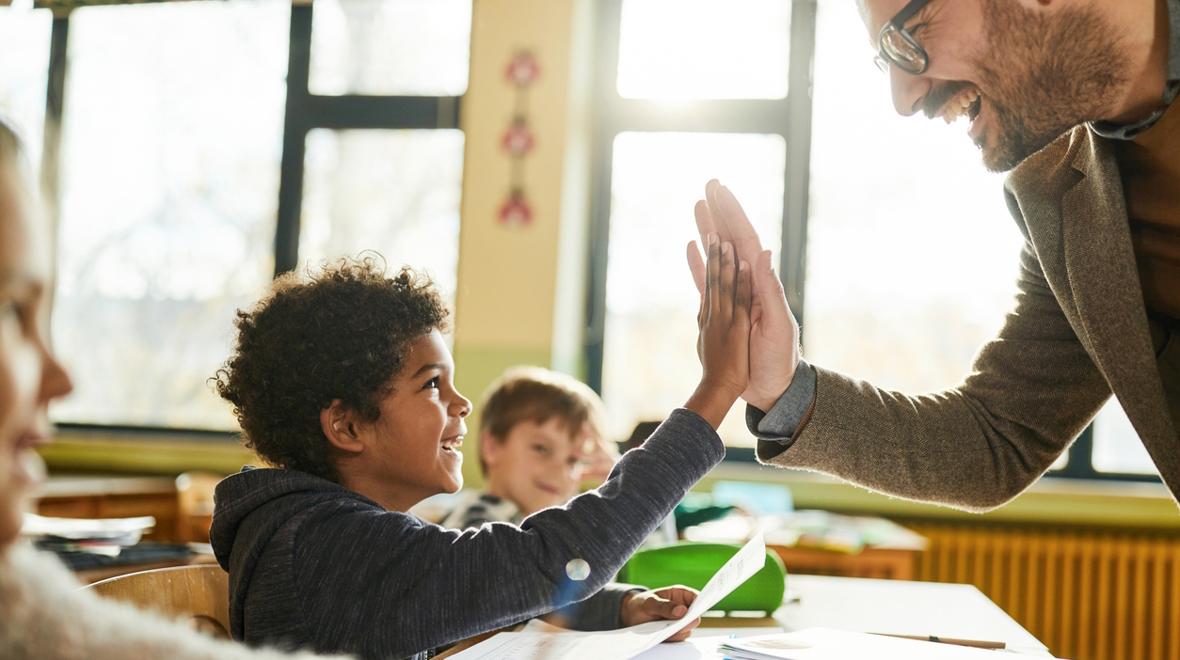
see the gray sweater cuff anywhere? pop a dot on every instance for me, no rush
(600, 611)
(775, 428)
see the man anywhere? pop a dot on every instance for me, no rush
(1074, 97)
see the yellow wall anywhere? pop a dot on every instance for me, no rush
(521, 288)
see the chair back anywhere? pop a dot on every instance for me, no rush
(198, 594)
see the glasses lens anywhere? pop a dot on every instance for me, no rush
(900, 49)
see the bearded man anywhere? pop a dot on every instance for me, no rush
(1075, 97)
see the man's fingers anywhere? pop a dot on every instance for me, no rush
(705, 224)
(771, 297)
(720, 224)
(696, 265)
(737, 224)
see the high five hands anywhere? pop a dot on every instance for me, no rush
(774, 333)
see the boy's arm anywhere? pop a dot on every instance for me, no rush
(598, 612)
(405, 586)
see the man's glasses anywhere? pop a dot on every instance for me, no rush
(896, 46)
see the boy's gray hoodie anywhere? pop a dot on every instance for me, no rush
(315, 565)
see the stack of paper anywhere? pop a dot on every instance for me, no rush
(104, 536)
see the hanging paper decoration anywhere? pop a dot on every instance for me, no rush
(518, 139)
(523, 69)
(517, 210)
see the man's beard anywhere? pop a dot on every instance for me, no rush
(1043, 75)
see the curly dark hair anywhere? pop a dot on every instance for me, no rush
(337, 333)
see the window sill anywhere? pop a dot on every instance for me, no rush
(143, 453)
(1075, 502)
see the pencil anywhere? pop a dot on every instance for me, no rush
(975, 643)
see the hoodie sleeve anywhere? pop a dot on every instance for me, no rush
(403, 586)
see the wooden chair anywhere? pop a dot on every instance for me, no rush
(199, 594)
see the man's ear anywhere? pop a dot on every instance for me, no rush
(338, 424)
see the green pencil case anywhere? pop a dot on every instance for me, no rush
(692, 564)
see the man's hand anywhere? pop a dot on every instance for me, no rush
(774, 333)
(661, 604)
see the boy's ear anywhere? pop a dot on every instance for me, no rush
(338, 425)
(489, 448)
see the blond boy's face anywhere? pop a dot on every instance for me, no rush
(537, 465)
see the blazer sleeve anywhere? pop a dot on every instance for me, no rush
(406, 586)
(1032, 390)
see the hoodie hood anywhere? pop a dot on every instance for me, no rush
(249, 509)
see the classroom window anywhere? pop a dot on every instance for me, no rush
(895, 236)
(1117, 448)
(179, 123)
(707, 52)
(394, 47)
(25, 36)
(650, 301)
(392, 191)
(899, 217)
(679, 106)
(171, 144)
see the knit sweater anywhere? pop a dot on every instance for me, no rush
(46, 615)
(313, 564)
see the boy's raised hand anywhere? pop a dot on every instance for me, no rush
(723, 342)
(774, 334)
(658, 605)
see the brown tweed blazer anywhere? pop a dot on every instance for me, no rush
(1077, 332)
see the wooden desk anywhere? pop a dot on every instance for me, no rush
(112, 497)
(903, 607)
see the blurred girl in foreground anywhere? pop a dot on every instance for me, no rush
(43, 611)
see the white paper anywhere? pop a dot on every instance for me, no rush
(625, 642)
(85, 528)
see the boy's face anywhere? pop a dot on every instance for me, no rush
(415, 442)
(537, 465)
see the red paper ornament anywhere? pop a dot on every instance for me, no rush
(523, 69)
(518, 140)
(516, 210)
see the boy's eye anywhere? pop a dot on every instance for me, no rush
(432, 384)
(541, 449)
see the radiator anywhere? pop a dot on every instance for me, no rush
(1087, 594)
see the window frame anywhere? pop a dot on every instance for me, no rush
(303, 112)
(790, 118)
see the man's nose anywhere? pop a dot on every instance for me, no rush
(908, 91)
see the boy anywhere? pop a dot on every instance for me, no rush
(540, 432)
(343, 382)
